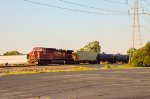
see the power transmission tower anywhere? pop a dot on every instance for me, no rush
(136, 37)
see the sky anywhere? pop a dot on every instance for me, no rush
(25, 25)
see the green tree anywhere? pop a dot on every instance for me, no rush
(146, 61)
(91, 47)
(141, 57)
(131, 51)
(11, 53)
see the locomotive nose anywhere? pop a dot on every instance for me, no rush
(33, 55)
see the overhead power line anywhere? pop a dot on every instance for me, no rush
(91, 7)
(146, 19)
(111, 1)
(75, 10)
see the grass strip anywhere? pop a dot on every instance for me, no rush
(123, 67)
(43, 70)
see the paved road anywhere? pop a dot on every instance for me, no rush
(100, 84)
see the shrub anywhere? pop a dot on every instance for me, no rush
(141, 58)
(107, 66)
(11, 53)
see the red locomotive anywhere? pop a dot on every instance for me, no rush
(44, 56)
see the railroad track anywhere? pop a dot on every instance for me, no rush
(27, 66)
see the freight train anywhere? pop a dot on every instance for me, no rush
(45, 56)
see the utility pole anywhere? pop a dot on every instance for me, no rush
(136, 37)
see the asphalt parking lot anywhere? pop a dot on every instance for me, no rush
(96, 84)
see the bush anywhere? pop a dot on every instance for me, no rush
(141, 58)
(107, 66)
(11, 53)
(146, 61)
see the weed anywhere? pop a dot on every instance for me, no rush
(107, 66)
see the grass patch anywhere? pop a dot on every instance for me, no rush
(17, 73)
(47, 69)
(122, 67)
